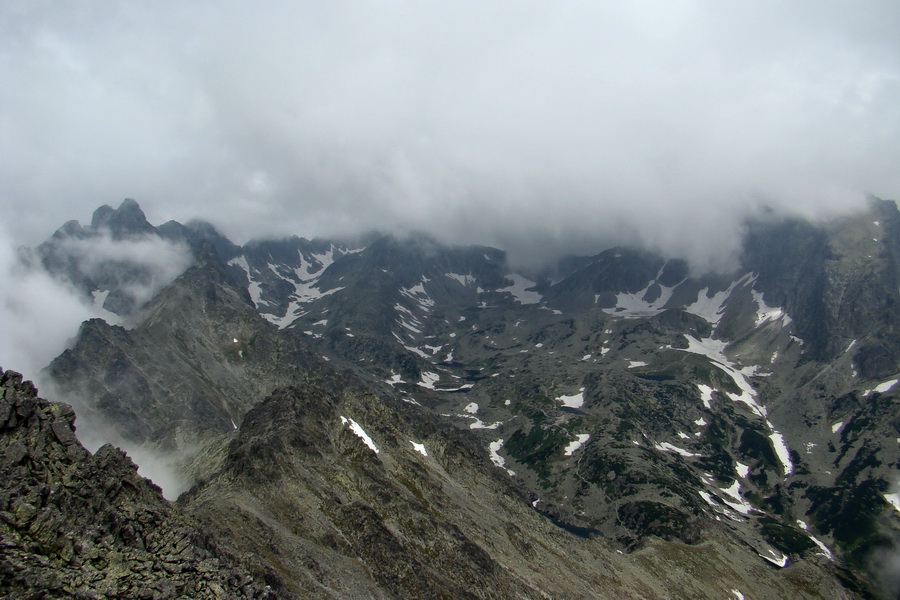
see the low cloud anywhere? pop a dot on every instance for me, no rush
(544, 128)
(40, 314)
(138, 266)
(93, 431)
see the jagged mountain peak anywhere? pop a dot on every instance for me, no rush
(127, 220)
(629, 399)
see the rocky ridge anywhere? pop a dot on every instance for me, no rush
(623, 397)
(81, 525)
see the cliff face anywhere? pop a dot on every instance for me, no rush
(732, 423)
(77, 525)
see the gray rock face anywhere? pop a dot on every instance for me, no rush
(622, 403)
(76, 525)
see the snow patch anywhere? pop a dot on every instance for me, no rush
(715, 351)
(742, 469)
(395, 379)
(360, 432)
(737, 503)
(582, 438)
(837, 427)
(465, 280)
(893, 500)
(705, 395)
(636, 363)
(633, 306)
(776, 558)
(667, 447)
(781, 450)
(573, 401)
(498, 460)
(420, 448)
(766, 313)
(471, 408)
(428, 380)
(418, 295)
(882, 387)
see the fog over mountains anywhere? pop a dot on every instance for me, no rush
(665, 125)
(397, 417)
(474, 300)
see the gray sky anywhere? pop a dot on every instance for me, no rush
(534, 126)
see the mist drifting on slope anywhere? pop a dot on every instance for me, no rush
(540, 128)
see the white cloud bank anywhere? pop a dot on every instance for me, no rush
(563, 126)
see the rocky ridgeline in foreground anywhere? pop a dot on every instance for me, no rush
(77, 525)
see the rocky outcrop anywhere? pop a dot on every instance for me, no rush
(77, 525)
(630, 406)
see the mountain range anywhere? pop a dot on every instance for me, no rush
(391, 417)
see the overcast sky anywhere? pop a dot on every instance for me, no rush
(528, 125)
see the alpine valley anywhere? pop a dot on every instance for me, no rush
(390, 417)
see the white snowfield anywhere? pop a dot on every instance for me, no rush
(305, 281)
(418, 295)
(883, 387)
(573, 401)
(714, 350)
(360, 432)
(420, 448)
(581, 440)
(465, 280)
(498, 460)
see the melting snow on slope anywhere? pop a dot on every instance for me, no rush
(737, 594)
(776, 558)
(395, 379)
(519, 290)
(466, 280)
(633, 306)
(824, 550)
(715, 351)
(737, 502)
(667, 447)
(766, 313)
(573, 401)
(580, 440)
(712, 307)
(359, 431)
(894, 499)
(253, 288)
(882, 387)
(498, 460)
(781, 450)
(705, 395)
(418, 294)
(420, 448)
(429, 379)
